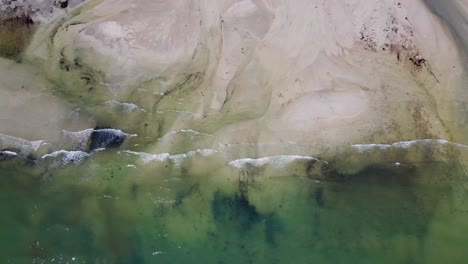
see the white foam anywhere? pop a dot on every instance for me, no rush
(177, 159)
(126, 107)
(185, 131)
(277, 161)
(403, 144)
(9, 153)
(207, 152)
(407, 144)
(147, 157)
(368, 147)
(98, 150)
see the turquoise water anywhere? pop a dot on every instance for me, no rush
(103, 211)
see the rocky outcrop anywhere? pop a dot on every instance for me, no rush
(228, 70)
(72, 147)
(106, 138)
(249, 78)
(62, 158)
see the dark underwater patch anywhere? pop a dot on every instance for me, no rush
(87, 239)
(236, 211)
(273, 226)
(135, 190)
(181, 196)
(319, 199)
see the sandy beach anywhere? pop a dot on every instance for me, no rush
(283, 73)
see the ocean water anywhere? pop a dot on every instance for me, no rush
(108, 210)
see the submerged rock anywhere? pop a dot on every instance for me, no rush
(72, 147)
(92, 139)
(62, 158)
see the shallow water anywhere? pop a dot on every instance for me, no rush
(104, 211)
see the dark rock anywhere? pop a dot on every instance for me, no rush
(63, 4)
(106, 138)
(7, 155)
